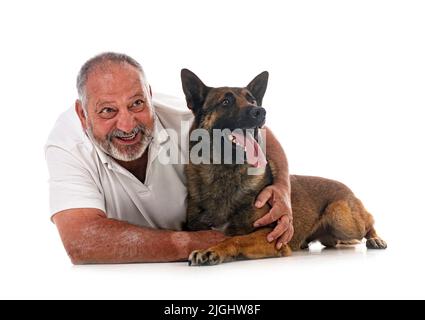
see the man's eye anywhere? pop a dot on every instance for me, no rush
(138, 104)
(107, 110)
(107, 113)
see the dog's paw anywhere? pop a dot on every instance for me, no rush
(376, 243)
(207, 257)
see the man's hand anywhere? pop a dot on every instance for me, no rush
(279, 199)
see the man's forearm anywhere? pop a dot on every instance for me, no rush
(278, 195)
(276, 154)
(103, 240)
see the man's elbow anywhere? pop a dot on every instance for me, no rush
(80, 245)
(77, 253)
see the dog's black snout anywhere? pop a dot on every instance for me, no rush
(257, 113)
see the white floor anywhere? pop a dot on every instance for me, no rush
(345, 273)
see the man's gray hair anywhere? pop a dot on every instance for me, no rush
(98, 60)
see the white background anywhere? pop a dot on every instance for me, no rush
(346, 98)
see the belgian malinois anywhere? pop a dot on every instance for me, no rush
(222, 196)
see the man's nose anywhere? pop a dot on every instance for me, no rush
(125, 121)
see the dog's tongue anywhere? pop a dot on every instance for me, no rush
(254, 154)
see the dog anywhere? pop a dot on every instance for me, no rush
(222, 196)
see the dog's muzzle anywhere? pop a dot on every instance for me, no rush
(257, 114)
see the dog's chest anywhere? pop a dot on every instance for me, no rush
(222, 197)
(226, 188)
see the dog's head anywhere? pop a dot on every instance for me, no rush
(238, 110)
(225, 107)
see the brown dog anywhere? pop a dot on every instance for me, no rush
(222, 196)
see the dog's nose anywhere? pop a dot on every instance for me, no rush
(257, 113)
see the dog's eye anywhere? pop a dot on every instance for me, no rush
(225, 102)
(250, 98)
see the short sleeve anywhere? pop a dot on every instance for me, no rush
(71, 185)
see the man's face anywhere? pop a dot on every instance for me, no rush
(120, 118)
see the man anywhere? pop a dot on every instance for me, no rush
(111, 198)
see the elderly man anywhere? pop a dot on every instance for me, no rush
(111, 198)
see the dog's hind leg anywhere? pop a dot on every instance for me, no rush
(347, 220)
(250, 246)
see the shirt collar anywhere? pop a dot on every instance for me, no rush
(160, 135)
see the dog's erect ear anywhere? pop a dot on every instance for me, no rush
(194, 89)
(258, 86)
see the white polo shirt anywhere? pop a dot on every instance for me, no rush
(82, 176)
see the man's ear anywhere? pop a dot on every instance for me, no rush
(194, 89)
(81, 113)
(258, 86)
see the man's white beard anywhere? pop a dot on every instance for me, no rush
(130, 152)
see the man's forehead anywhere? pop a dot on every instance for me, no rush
(114, 72)
(114, 79)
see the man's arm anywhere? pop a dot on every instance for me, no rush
(90, 237)
(278, 195)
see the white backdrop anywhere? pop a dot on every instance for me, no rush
(346, 98)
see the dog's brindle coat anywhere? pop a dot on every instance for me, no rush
(222, 196)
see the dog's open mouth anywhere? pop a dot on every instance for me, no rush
(254, 154)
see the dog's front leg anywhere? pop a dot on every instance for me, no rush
(250, 246)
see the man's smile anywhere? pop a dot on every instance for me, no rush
(129, 139)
